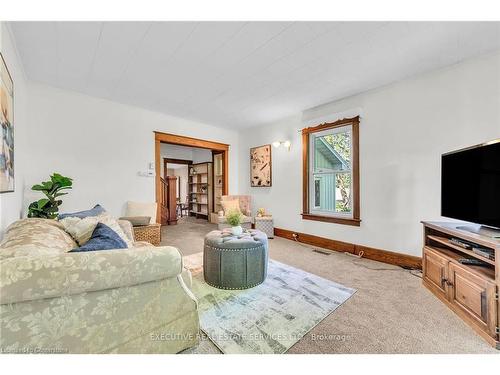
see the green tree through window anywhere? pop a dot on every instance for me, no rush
(341, 143)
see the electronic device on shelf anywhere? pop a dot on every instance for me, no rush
(484, 252)
(462, 243)
(472, 262)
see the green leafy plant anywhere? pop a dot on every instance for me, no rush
(234, 218)
(48, 208)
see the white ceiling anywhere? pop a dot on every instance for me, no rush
(240, 74)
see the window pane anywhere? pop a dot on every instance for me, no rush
(343, 192)
(324, 192)
(317, 193)
(332, 152)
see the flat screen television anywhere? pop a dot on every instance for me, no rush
(470, 184)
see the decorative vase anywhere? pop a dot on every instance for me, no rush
(238, 230)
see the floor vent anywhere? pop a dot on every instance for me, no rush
(324, 252)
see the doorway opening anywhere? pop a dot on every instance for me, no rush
(191, 176)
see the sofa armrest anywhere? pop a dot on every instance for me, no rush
(28, 278)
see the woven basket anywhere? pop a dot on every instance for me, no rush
(149, 233)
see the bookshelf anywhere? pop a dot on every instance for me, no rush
(200, 190)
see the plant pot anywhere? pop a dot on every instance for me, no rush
(237, 230)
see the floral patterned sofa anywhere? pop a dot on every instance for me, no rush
(134, 300)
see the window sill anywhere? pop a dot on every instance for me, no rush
(332, 219)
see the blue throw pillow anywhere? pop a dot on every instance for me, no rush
(97, 210)
(103, 238)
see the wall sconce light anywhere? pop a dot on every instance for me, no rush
(286, 144)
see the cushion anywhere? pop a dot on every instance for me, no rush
(112, 223)
(137, 221)
(224, 239)
(244, 201)
(97, 210)
(103, 238)
(45, 234)
(230, 205)
(80, 229)
(142, 209)
(127, 229)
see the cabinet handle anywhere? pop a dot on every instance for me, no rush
(484, 306)
(449, 283)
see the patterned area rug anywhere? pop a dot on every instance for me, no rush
(269, 318)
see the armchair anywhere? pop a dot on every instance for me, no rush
(245, 208)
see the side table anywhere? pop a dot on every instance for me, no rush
(149, 233)
(265, 224)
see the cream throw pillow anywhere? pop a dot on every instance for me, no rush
(80, 229)
(111, 222)
(230, 205)
(142, 209)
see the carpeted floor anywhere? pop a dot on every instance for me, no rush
(390, 313)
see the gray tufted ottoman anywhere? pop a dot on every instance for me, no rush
(235, 262)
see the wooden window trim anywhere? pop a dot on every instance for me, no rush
(306, 213)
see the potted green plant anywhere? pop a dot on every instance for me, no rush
(48, 208)
(234, 218)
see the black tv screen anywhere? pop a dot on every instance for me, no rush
(470, 184)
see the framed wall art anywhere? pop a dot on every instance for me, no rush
(260, 166)
(6, 129)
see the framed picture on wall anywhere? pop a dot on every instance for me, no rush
(260, 166)
(6, 129)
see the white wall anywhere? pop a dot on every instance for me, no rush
(404, 129)
(102, 145)
(201, 155)
(176, 152)
(11, 203)
(196, 155)
(182, 174)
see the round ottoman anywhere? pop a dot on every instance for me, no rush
(235, 262)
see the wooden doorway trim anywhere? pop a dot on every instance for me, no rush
(175, 161)
(180, 140)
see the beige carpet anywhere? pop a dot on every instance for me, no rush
(390, 313)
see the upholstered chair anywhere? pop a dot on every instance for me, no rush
(245, 208)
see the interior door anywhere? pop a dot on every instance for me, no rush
(171, 199)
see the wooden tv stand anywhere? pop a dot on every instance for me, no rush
(470, 291)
